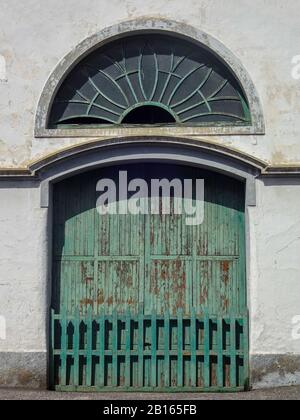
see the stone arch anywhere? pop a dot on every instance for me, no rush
(97, 154)
(139, 26)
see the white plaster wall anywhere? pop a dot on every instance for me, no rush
(274, 281)
(264, 34)
(23, 269)
(35, 35)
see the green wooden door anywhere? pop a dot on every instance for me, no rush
(146, 301)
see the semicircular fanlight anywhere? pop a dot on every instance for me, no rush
(154, 70)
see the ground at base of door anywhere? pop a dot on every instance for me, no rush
(285, 393)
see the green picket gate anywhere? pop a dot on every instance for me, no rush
(144, 301)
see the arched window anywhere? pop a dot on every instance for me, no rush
(149, 79)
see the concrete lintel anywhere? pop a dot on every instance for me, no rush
(68, 166)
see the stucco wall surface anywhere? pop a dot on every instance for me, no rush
(23, 269)
(264, 35)
(274, 264)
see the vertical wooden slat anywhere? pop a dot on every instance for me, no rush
(220, 352)
(193, 332)
(63, 354)
(153, 349)
(141, 348)
(246, 350)
(115, 349)
(128, 349)
(206, 350)
(94, 221)
(167, 348)
(89, 357)
(233, 351)
(102, 332)
(76, 344)
(242, 264)
(149, 298)
(180, 348)
(52, 348)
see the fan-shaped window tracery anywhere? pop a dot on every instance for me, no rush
(150, 79)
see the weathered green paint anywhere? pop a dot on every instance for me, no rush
(128, 353)
(145, 301)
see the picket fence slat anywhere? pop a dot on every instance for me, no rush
(135, 352)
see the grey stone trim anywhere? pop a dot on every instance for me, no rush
(25, 370)
(148, 25)
(290, 170)
(285, 173)
(15, 172)
(73, 162)
(148, 140)
(274, 370)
